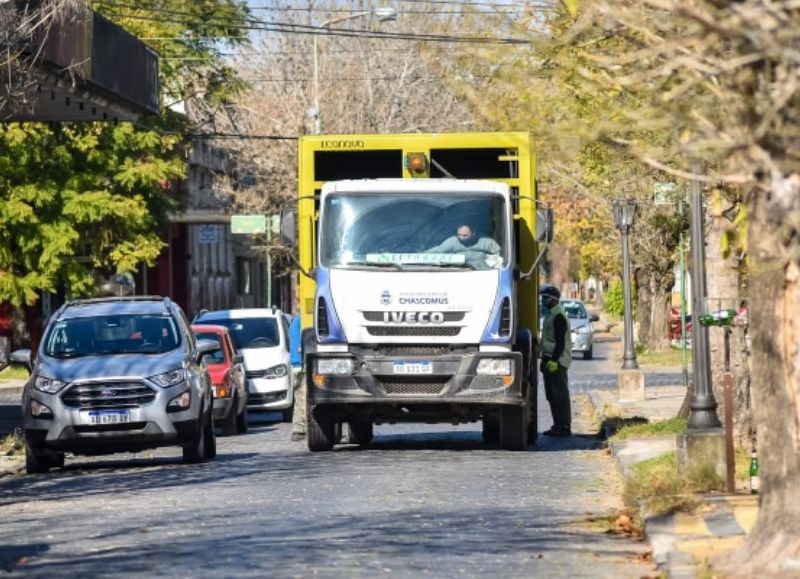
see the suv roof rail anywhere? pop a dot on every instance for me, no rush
(117, 299)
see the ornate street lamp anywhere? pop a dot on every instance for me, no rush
(702, 403)
(624, 215)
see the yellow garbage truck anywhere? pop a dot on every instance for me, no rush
(419, 289)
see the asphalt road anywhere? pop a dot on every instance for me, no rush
(422, 500)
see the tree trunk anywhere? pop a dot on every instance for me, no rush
(723, 285)
(773, 546)
(644, 304)
(658, 339)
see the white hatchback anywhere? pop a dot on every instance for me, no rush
(262, 337)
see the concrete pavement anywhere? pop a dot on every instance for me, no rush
(681, 542)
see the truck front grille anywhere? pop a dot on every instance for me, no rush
(403, 350)
(95, 395)
(413, 331)
(414, 388)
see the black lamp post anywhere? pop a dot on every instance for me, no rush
(624, 215)
(702, 403)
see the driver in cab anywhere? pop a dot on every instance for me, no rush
(482, 252)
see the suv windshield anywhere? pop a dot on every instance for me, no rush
(399, 232)
(112, 334)
(249, 332)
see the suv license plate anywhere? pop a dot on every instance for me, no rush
(413, 367)
(106, 417)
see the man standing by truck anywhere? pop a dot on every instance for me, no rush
(556, 358)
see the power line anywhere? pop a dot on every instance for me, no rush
(292, 28)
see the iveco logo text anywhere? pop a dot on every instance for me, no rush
(435, 300)
(413, 317)
(386, 298)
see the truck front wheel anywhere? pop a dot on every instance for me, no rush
(514, 428)
(320, 428)
(361, 432)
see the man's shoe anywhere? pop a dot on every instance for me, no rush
(558, 432)
(298, 436)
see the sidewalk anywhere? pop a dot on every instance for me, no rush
(681, 542)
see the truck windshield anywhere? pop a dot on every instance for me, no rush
(411, 231)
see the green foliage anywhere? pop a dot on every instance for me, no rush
(651, 429)
(76, 198)
(614, 303)
(656, 486)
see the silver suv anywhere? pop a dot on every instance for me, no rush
(117, 375)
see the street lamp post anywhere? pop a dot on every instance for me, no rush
(624, 215)
(702, 403)
(384, 15)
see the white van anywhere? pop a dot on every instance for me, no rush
(262, 337)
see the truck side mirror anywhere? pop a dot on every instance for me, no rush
(544, 225)
(288, 228)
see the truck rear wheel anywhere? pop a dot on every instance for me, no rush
(361, 432)
(514, 428)
(320, 428)
(491, 429)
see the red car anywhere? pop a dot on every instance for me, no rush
(227, 377)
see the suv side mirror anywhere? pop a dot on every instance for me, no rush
(205, 347)
(23, 358)
(594, 318)
(238, 359)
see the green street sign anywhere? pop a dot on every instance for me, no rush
(248, 224)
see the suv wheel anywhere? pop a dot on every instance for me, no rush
(242, 424)
(229, 423)
(211, 437)
(36, 460)
(197, 451)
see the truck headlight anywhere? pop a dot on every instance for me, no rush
(170, 378)
(335, 366)
(48, 385)
(495, 367)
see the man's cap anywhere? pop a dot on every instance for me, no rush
(550, 290)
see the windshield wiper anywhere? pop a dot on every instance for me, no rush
(396, 266)
(64, 355)
(458, 265)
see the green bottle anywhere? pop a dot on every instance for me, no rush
(755, 482)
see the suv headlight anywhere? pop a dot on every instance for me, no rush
(495, 367)
(335, 366)
(170, 378)
(48, 385)
(583, 330)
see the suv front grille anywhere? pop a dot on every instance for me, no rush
(108, 395)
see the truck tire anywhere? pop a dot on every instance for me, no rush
(533, 418)
(320, 428)
(491, 429)
(514, 428)
(361, 432)
(588, 354)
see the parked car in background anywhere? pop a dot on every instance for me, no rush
(580, 323)
(117, 375)
(227, 380)
(261, 335)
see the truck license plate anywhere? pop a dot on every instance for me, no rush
(106, 416)
(413, 367)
